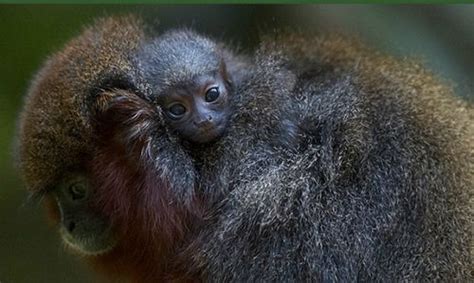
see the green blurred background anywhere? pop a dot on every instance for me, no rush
(30, 250)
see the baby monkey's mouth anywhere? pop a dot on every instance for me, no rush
(209, 132)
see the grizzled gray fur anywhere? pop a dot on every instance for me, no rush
(334, 168)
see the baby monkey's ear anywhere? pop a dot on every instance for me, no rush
(223, 72)
(234, 67)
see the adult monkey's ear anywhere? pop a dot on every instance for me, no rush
(127, 116)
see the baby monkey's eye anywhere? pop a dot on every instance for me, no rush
(212, 94)
(176, 110)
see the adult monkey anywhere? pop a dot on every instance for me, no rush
(333, 225)
(62, 143)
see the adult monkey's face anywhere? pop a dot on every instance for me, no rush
(90, 144)
(81, 228)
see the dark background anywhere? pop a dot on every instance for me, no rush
(30, 250)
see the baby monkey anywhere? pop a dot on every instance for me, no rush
(192, 78)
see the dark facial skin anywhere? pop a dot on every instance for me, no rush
(81, 228)
(198, 109)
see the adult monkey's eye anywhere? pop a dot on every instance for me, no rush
(77, 190)
(212, 94)
(177, 110)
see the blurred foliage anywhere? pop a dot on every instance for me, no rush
(30, 250)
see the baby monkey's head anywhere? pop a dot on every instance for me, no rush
(190, 82)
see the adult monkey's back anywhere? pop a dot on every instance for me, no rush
(374, 183)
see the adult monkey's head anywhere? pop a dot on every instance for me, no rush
(92, 146)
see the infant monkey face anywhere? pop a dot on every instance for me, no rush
(198, 110)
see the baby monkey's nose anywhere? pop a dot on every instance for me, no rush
(203, 121)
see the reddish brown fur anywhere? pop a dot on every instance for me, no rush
(129, 191)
